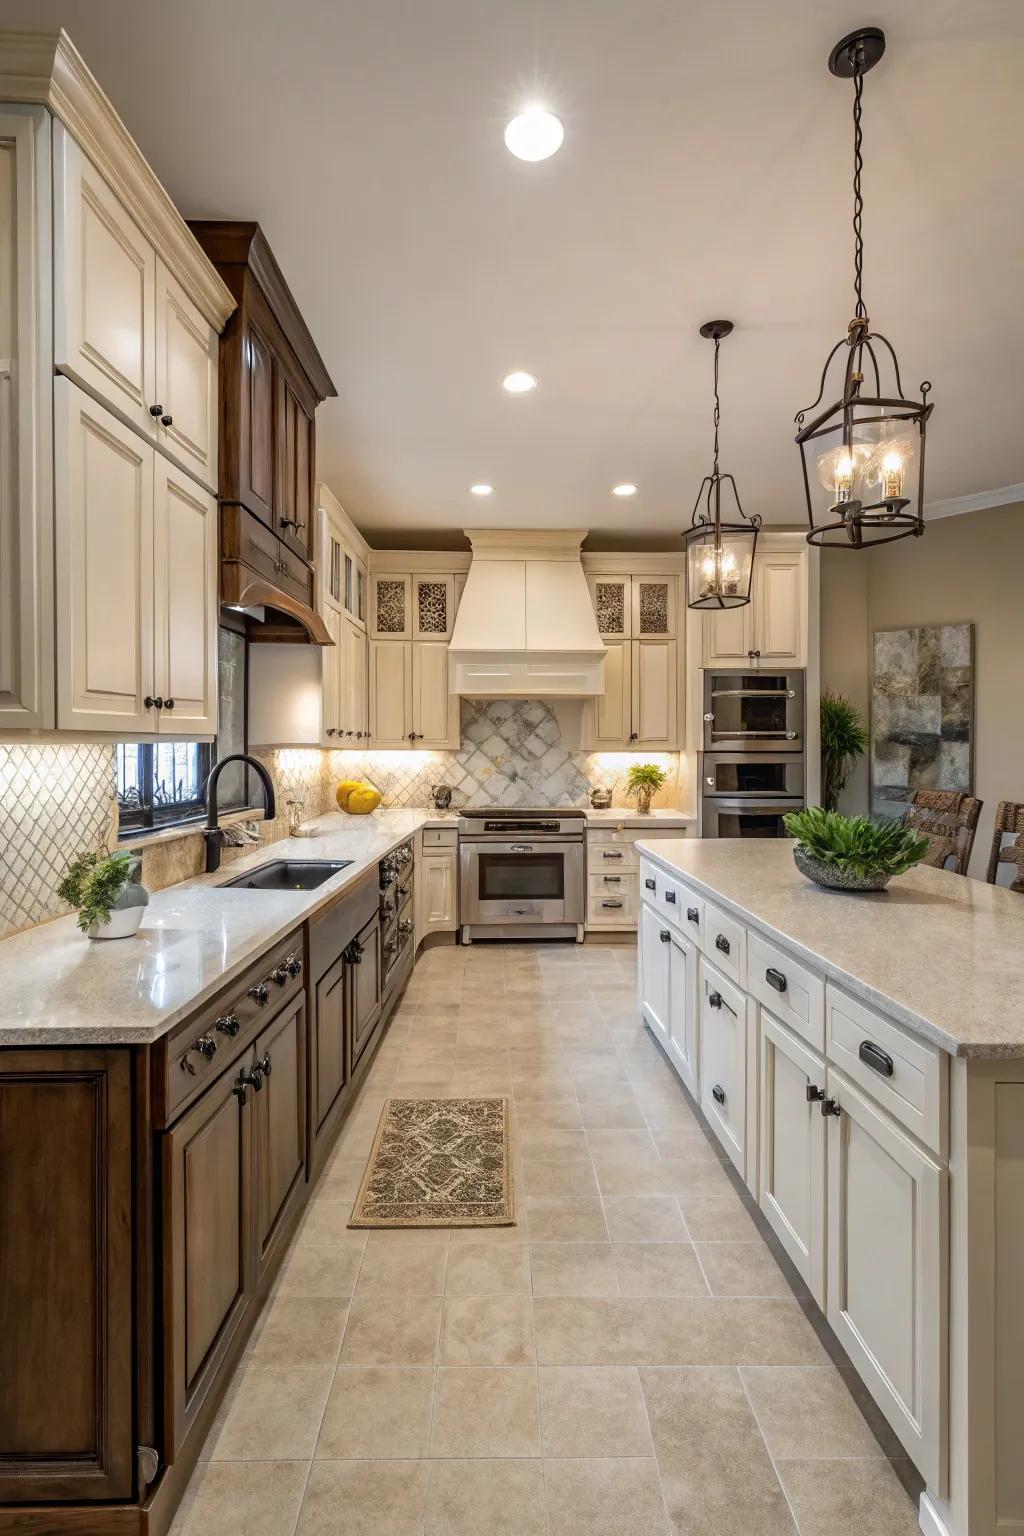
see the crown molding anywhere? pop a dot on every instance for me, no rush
(46, 69)
(977, 501)
(526, 543)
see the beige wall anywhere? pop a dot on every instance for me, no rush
(964, 569)
(845, 652)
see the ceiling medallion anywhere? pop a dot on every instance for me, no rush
(719, 556)
(863, 456)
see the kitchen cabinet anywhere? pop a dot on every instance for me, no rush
(331, 674)
(640, 707)
(653, 960)
(770, 632)
(792, 1183)
(634, 607)
(279, 1128)
(683, 1025)
(354, 713)
(331, 1073)
(135, 581)
(186, 380)
(723, 1061)
(390, 694)
(420, 606)
(613, 874)
(410, 706)
(366, 960)
(437, 883)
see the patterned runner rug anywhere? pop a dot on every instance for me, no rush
(439, 1163)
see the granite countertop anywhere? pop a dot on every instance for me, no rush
(942, 954)
(622, 816)
(59, 988)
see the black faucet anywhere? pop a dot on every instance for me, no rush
(212, 831)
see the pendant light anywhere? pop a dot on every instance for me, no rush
(863, 456)
(719, 556)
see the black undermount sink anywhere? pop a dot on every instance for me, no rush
(289, 875)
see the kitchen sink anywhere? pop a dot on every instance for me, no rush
(289, 875)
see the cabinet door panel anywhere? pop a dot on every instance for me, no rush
(728, 637)
(367, 983)
(683, 1019)
(105, 285)
(611, 712)
(296, 451)
(433, 603)
(332, 664)
(654, 606)
(435, 898)
(779, 609)
(792, 1189)
(655, 687)
(66, 1378)
(391, 607)
(613, 606)
(887, 1271)
(330, 1058)
(723, 1061)
(104, 569)
(185, 602)
(435, 711)
(654, 971)
(207, 1183)
(279, 1118)
(390, 693)
(257, 451)
(355, 678)
(186, 379)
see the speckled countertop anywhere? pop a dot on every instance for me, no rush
(942, 954)
(624, 817)
(59, 988)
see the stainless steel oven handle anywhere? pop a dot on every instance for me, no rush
(753, 693)
(786, 735)
(520, 847)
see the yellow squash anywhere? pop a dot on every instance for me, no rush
(363, 800)
(345, 788)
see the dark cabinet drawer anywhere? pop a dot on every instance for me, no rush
(243, 538)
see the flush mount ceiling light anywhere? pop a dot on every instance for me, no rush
(482, 490)
(863, 456)
(719, 556)
(519, 383)
(534, 134)
(625, 489)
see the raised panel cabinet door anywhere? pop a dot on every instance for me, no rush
(330, 1063)
(654, 606)
(297, 453)
(436, 894)
(390, 606)
(185, 608)
(792, 1187)
(207, 1228)
(104, 289)
(366, 972)
(103, 476)
(355, 675)
(279, 1129)
(611, 719)
(435, 711)
(433, 607)
(67, 1425)
(249, 464)
(390, 694)
(613, 606)
(779, 624)
(331, 667)
(723, 1062)
(655, 694)
(728, 637)
(683, 1022)
(186, 380)
(654, 944)
(26, 561)
(888, 1212)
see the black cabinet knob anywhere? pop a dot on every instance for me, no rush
(153, 703)
(260, 993)
(814, 1093)
(206, 1045)
(156, 410)
(168, 703)
(722, 943)
(633, 736)
(649, 885)
(665, 936)
(228, 1025)
(718, 1093)
(670, 897)
(252, 1078)
(693, 914)
(714, 999)
(166, 421)
(830, 1107)
(264, 1065)
(874, 1057)
(294, 965)
(279, 974)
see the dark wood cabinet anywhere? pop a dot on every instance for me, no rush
(331, 1056)
(67, 1426)
(298, 448)
(278, 1130)
(367, 978)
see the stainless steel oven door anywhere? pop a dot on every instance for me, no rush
(519, 881)
(751, 773)
(753, 711)
(745, 816)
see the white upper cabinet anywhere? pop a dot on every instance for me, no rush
(613, 606)
(331, 665)
(769, 632)
(611, 711)
(185, 606)
(640, 707)
(433, 607)
(186, 380)
(390, 695)
(391, 606)
(435, 711)
(353, 682)
(654, 606)
(26, 575)
(655, 694)
(729, 637)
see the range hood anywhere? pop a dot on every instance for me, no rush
(525, 627)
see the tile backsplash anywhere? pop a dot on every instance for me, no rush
(58, 800)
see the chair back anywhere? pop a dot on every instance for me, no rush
(949, 821)
(1009, 819)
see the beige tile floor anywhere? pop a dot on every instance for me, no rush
(629, 1358)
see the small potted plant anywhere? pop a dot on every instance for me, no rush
(843, 740)
(852, 853)
(642, 781)
(106, 889)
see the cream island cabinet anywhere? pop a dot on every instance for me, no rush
(861, 1061)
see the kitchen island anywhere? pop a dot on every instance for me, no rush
(861, 1060)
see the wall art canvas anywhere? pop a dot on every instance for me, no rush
(922, 707)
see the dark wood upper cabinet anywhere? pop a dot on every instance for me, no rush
(66, 1334)
(272, 380)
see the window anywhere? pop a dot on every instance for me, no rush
(161, 782)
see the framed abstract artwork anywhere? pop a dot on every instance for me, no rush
(922, 713)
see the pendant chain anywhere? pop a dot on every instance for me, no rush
(858, 200)
(718, 407)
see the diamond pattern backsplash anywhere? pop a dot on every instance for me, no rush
(512, 753)
(55, 802)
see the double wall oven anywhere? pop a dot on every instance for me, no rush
(752, 767)
(522, 873)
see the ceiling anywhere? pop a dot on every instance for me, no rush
(705, 172)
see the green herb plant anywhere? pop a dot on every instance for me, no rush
(93, 882)
(644, 780)
(861, 844)
(843, 740)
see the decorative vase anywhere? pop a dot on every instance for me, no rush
(126, 910)
(643, 802)
(600, 798)
(832, 877)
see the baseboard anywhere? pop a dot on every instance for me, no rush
(929, 1519)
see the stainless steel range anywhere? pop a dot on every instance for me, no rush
(522, 873)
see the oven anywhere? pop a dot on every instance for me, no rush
(753, 711)
(745, 816)
(522, 875)
(746, 794)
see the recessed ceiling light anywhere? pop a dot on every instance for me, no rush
(519, 383)
(625, 489)
(482, 490)
(534, 134)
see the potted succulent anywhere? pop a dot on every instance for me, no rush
(106, 889)
(642, 781)
(843, 740)
(852, 853)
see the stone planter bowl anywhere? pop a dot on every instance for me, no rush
(832, 878)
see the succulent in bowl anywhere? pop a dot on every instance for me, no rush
(852, 853)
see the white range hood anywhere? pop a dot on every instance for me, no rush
(525, 627)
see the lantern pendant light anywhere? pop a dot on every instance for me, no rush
(863, 456)
(719, 556)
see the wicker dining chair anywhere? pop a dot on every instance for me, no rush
(1009, 818)
(949, 821)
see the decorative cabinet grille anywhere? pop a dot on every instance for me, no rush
(653, 608)
(432, 608)
(610, 606)
(392, 606)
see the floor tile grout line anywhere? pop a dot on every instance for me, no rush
(771, 1458)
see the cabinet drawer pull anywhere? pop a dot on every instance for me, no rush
(714, 999)
(260, 993)
(264, 1065)
(612, 879)
(775, 979)
(156, 410)
(353, 952)
(718, 1094)
(228, 1025)
(206, 1045)
(830, 1107)
(670, 897)
(722, 943)
(874, 1057)
(693, 914)
(649, 885)
(614, 855)
(615, 904)
(814, 1093)
(665, 936)
(166, 421)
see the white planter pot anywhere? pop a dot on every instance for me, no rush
(123, 924)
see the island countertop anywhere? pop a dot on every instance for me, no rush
(942, 954)
(59, 988)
